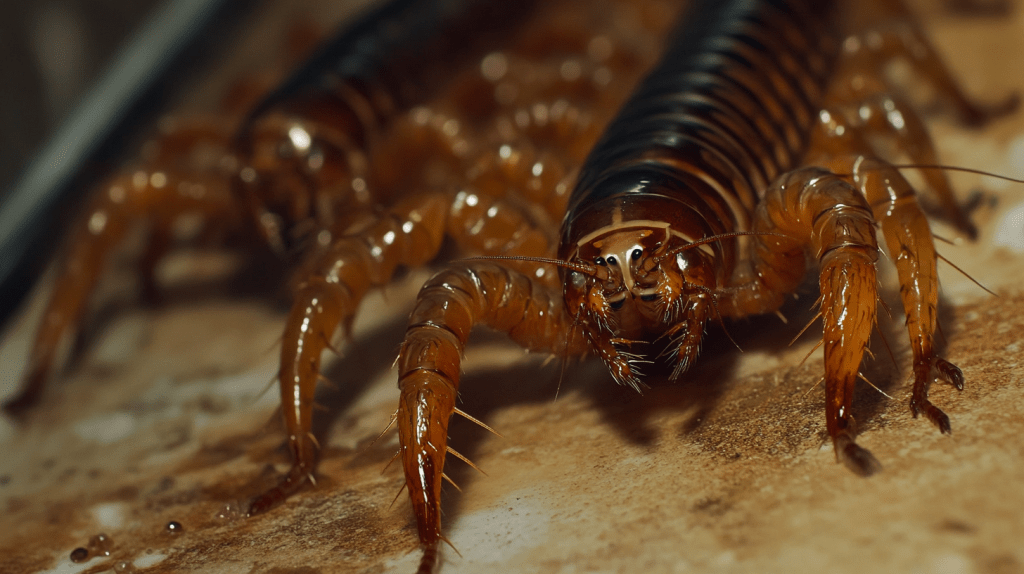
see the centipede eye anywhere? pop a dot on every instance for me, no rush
(616, 305)
(599, 261)
(612, 260)
(650, 297)
(636, 254)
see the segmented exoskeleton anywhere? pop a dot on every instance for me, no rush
(738, 164)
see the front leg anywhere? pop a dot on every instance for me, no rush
(819, 214)
(409, 234)
(447, 308)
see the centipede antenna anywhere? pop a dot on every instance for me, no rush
(397, 494)
(955, 168)
(942, 239)
(450, 481)
(964, 273)
(459, 411)
(581, 267)
(465, 460)
(714, 238)
(873, 386)
(804, 330)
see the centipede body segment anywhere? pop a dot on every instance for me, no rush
(745, 160)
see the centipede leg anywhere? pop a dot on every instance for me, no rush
(909, 240)
(867, 54)
(156, 195)
(864, 100)
(891, 117)
(409, 234)
(821, 214)
(447, 308)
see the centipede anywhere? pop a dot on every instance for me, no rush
(699, 222)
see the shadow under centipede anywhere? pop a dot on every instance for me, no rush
(482, 394)
(347, 377)
(256, 275)
(363, 360)
(699, 391)
(891, 369)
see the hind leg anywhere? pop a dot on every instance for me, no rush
(154, 196)
(909, 240)
(892, 32)
(908, 237)
(811, 213)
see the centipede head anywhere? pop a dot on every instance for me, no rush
(647, 299)
(294, 176)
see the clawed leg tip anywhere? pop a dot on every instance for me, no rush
(263, 504)
(950, 373)
(259, 507)
(936, 416)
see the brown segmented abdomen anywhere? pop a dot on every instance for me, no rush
(728, 108)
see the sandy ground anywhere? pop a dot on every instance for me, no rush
(164, 418)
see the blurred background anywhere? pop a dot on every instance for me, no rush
(81, 82)
(50, 51)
